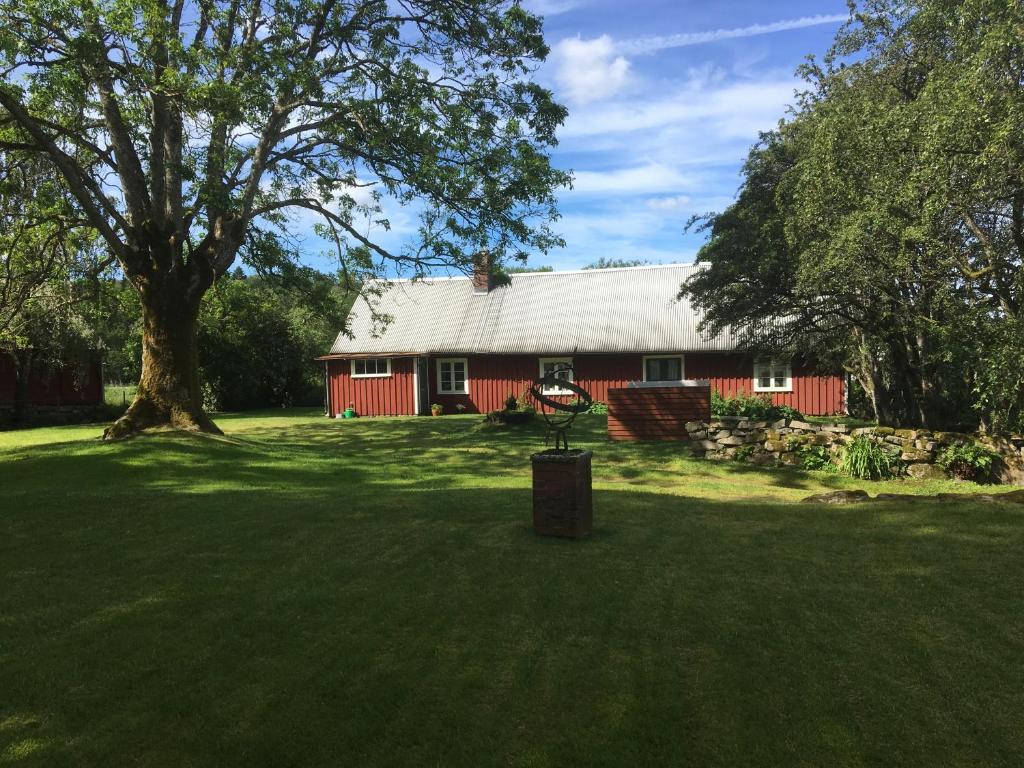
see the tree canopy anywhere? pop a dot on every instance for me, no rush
(882, 224)
(190, 133)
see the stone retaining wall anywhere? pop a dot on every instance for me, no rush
(779, 442)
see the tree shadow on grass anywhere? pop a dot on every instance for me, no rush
(281, 611)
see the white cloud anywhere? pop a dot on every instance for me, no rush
(673, 203)
(640, 179)
(589, 70)
(738, 108)
(661, 42)
(618, 232)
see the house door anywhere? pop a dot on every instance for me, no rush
(422, 386)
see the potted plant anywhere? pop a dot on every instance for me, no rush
(436, 409)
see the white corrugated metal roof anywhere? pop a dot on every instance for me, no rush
(599, 310)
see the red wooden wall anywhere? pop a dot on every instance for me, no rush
(731, 374)
(47, 386)
(378, 396)
(493, 377)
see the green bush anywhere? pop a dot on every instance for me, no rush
(750, 407)
(968, 461)
(598, 407)
(815, 457)
(744, 452)
(866, 459)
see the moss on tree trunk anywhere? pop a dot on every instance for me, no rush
(169, 393)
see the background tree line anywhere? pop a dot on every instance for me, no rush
(258, 336)
(881, 226)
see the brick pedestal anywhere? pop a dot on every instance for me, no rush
(562, 503)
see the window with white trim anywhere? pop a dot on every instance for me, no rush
(453, 376)
(773, 375)
(561, 368)
(371, 367)
(663, 368)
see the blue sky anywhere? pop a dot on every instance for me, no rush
(665, 99)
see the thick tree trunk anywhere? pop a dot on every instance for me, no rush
(169, 393)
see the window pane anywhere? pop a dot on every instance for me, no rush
(765, 382)
(780, 381)
(664, 369)
(360, 367)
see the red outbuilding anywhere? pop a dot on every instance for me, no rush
(468, 345)
(51, 387)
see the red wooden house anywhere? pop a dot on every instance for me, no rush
(467, 345)
(51, 387)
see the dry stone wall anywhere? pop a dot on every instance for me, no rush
(781, 442)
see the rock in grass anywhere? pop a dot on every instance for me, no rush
(838, 497)
(926, 472)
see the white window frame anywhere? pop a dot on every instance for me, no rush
(775, 364)
(370, 375)
(465, 368)
(571, 379)
(682, 366)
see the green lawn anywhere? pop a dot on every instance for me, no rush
(313, 592)
(119, 394)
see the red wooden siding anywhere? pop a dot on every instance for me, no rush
(493, 377)
(47, 386)
(373, 396)
(731, 374)
(656, 413)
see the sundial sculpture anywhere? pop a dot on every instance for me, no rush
(562, 495)
(559, 415)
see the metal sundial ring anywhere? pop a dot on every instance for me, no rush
(562, 414)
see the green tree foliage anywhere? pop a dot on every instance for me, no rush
(603, 263)
(49, 262)
(882, 224)
(258, 337)
(528, 270)
(191, 132)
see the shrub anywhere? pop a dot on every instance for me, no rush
(750, 406)
(815, 457)
(865, 459)
(968, 461)
(516, 416)
(744, 452)
(786, 412)
(597, 406)
(511, 402)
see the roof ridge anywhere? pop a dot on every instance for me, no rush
(517, 275)
(637, 268)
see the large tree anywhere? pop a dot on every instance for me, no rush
(884, 221)
(187, 131)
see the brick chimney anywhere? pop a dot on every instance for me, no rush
(482, 282)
